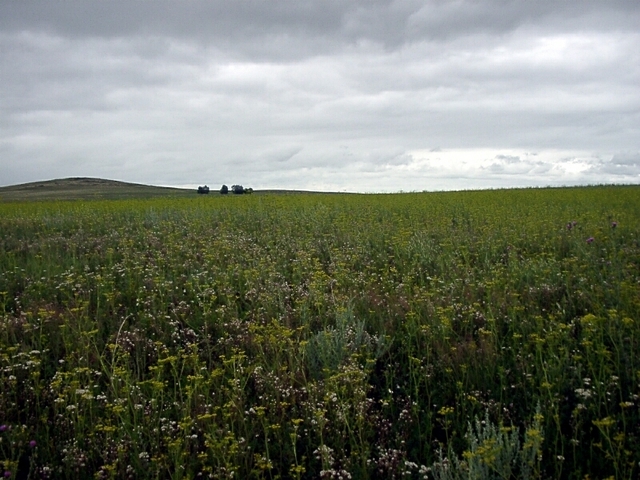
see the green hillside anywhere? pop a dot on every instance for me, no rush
(82, 188)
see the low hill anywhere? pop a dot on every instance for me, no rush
(80, 188)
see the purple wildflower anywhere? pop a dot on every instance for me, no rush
(590, 240)
(32, 443)
(614, 224)
(7, 474)
(3, 428)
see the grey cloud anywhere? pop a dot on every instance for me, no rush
(632, 172)
(312, 92)
(444, 19)
(626, 159)
(508, 158)
(399, 159)
(325, 25)
(542, 168)
(510, 169)
(384, 159)
(524, 166)
(281, 155)
(622, 165)
(236, 25)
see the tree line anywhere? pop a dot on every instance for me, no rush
(224, 190)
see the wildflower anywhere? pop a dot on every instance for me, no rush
(7, 474)
(33, 443)
(3, 428)
(614, 224)
(590, 240)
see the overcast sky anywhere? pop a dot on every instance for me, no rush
(368, 96)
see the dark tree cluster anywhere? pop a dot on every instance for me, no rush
(237, 189)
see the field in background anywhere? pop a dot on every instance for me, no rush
(489, 334)
(82, 188)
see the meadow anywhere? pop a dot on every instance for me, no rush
(475, 335)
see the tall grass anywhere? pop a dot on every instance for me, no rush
(451, 335)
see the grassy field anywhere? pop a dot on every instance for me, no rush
(489, 334)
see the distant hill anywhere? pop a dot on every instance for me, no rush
(80, 188)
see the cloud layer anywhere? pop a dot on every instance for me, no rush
(335, 95)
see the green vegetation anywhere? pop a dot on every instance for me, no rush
(489, 334)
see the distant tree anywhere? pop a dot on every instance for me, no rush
(248, 190)
(224, 190)
(203, 190)
(237, 189)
